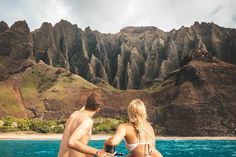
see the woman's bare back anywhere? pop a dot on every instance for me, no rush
(145, 136)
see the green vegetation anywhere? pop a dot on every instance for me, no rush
(11, 124)
(37, 125)
(106, 125)
(37, 83)
(8, 129)
(42, 126)
(58, 129)
(8, 102)
(39, 78)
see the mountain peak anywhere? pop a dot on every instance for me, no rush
(196, 23)
(46, 26)
(21, 26)
(88, 29)
(64, 23)
(3, 26)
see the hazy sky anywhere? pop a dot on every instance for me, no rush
(112, 15)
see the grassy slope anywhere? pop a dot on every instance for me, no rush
(8, 101)
(107, 86)
(37, 83)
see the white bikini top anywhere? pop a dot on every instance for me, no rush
(132, 146)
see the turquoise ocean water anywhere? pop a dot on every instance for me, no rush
(169, 148)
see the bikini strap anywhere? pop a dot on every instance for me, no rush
(148, 150)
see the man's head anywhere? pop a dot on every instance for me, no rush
(93, 102)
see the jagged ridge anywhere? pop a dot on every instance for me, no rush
(126, 60)
(134, 56)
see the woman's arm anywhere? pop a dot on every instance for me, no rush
(116, 139)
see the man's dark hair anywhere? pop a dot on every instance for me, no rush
(93, 102)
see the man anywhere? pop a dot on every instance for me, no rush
(78, 131)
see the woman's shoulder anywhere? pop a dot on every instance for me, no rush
(126, 125)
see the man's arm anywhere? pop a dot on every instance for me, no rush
(116, 139)
(80, 131)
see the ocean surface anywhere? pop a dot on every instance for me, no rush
(169, 148)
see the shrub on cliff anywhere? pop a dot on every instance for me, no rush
(101, 125)
(106, 125)
(42, 126)
(23, 124)
(9, 120)
(1, 123)
(8, 129)
(58, 129)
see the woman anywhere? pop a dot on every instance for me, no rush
(138, 133)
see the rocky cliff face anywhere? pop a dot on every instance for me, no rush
(134, 56)
(198, 99)
(16, 48)
(31, 88)
(126, 60)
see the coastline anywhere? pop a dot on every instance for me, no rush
(35, 136)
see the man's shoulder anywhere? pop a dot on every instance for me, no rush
(87, 120)
(80, 118)
(74, 115)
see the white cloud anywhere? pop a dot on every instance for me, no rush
(112, 15)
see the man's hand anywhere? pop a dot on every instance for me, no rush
(102, 153)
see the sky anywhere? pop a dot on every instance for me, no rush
(109, 16)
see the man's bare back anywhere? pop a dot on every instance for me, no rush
(77, 120)
(78, 131)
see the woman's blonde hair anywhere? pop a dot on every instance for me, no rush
(137, 113)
